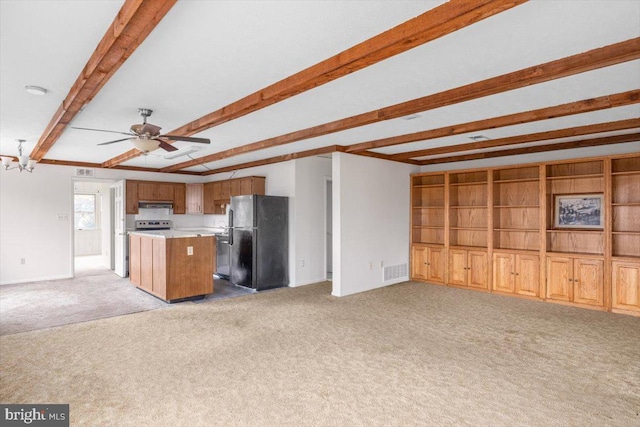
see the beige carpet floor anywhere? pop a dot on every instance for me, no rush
(409, 354)
(91, 295)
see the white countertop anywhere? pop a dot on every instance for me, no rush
(172, 234)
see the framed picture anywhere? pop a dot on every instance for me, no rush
(579, 211)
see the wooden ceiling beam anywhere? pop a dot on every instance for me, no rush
(435, 23)
(578, 107)
(135, 20)
(286, 157)
(618, 139)
(520, 139)
(586, 61)
(99, 165)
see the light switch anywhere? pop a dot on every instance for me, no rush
(63, 217)
(189, 250)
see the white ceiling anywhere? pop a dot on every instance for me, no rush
(206, 54)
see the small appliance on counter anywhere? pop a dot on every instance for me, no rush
(259, 241)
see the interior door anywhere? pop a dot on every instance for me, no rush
(119, 230)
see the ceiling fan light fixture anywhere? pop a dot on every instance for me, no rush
(35, 90)
(145, 145)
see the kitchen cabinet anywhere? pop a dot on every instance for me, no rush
(216, 195)
(428, 263)
(131, 196)
(577, 280)
(516, 273)
(194, 199)
(179, 199)
(172, 268)
(155, 191)
(468, 268)
(626, 286)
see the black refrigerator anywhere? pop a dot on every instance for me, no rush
(259, 241)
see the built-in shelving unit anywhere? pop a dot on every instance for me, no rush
(516, 208)
(428, 210)
(468, 209)
(495, 230)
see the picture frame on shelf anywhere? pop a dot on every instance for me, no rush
(578, 211)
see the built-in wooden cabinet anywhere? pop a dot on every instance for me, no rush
(194, 199)
(152, 191)
(217, 195)
(626, 286)
(429, 263)
(468, 268)
(578, 280)
(496, 230)
(516, 273)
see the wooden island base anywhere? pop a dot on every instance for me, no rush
(173, 269)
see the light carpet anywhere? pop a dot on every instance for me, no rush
(408, 354)
(38, 305)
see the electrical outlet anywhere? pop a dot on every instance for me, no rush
(23, 261)
(63, 217)
(189, 250)
(302, 263)
(370, 265)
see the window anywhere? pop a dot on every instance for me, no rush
(84, 207)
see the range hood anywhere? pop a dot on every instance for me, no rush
(155, 205)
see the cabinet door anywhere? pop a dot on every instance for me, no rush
(457, 267)
(165, 192)
(503, 272)
(240, 186)
(588, 281)
(436, 263)
(179, 199)
(208, 199)
(477, 269)
(559, 273)
(527, 274)
(134, 259)
(131, 196)
(225, 190)
(193, 196)
(147, 191)
(626, 285)
(146, 263)
(419, 265)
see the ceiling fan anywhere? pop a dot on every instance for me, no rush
(146, 137)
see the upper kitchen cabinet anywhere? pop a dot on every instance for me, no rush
(217, 195)
(194, 198)
(151, 191)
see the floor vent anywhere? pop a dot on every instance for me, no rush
(85, 172)
(395, 272)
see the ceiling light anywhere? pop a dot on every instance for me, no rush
(35, 90)
(24, 162)
(479, 138)
(145, 144)
(180, 153)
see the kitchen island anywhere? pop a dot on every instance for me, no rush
(172, 265)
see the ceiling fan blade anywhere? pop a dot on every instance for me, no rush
(187, 138)
(102, 130)
(166, 146)
(111, 142)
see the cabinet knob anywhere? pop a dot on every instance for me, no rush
(571, 280)
(517, 274)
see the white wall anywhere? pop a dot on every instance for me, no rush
(370, 221)
(36, 219)
(310, 178)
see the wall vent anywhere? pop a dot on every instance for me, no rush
(84, 172)
(395, 272)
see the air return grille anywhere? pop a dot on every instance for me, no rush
(399, 271)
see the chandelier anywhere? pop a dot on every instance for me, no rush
(24, 162)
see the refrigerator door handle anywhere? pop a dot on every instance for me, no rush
(230, 227)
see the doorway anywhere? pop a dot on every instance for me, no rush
(329, 228)
(91, 227)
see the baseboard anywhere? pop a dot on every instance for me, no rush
(37, 279)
